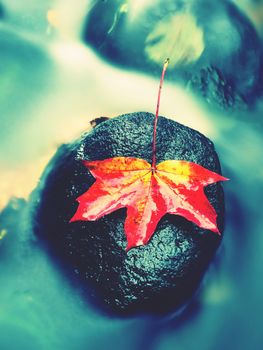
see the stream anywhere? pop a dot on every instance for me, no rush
(52, 86)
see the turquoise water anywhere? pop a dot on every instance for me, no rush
(55, 86)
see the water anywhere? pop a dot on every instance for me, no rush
(52, 97)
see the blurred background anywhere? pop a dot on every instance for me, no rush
(64, 63)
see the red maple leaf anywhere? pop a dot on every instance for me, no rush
(148, 191)
(173, 186)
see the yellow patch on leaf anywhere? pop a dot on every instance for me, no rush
(148, 192)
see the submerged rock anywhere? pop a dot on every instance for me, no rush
(11, 222)
(156, 278)
(216, 89)
(195, 35)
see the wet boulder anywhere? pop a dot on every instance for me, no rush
(11, 222)
(196, 35)
(158, 277)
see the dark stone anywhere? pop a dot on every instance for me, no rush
(156, 278)
(231, 43)
(11, 221)
(216, 89)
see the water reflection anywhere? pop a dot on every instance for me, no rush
(50, 90)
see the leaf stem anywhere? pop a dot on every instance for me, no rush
(165, 65)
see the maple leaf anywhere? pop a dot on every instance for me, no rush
(148, 191)
(173, 186)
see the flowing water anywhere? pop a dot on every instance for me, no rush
(51, 87)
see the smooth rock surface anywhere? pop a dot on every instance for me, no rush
(156, 278)
(196, 35)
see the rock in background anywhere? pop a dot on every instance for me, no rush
(196, 35)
